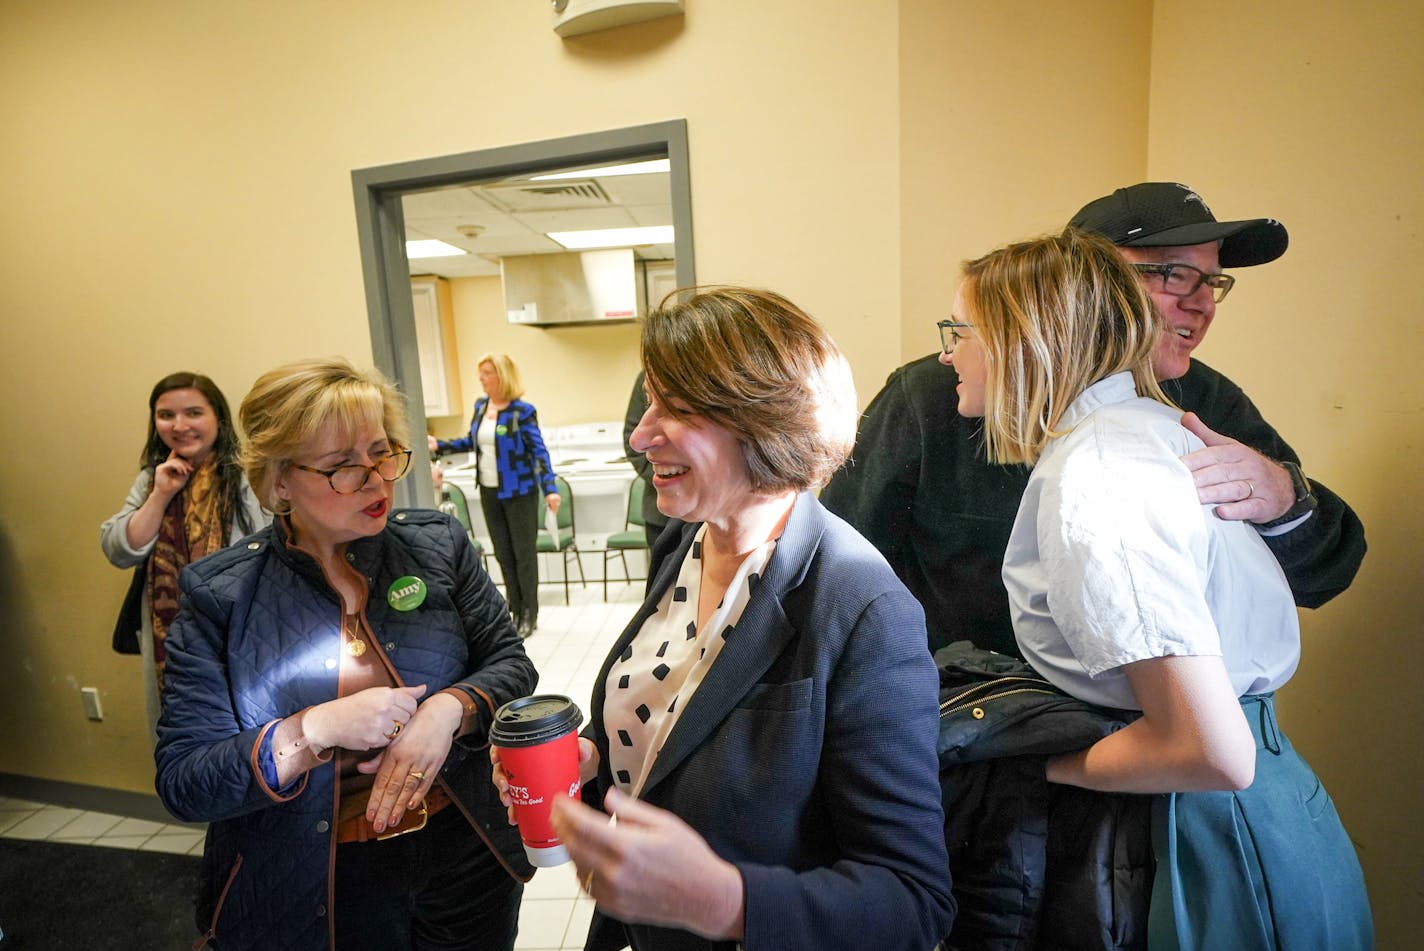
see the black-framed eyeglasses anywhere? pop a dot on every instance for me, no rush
(949, 334)
(1182, 280)
(348, 480)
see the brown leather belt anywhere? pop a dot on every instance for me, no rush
(359, 829)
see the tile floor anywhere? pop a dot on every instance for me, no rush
(567, 649)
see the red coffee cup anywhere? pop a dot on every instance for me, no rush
(538, 748)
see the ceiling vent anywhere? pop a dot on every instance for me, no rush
(546, 196)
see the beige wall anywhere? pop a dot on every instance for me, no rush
(1007, 127)
(1312, 113)
(177, 194)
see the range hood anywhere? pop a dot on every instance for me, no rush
(575, 287)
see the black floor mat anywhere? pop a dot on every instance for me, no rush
(56, 896)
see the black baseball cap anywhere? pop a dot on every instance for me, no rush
(1166, 214)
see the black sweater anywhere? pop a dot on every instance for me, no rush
(919, 488)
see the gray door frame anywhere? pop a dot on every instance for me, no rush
(380, 224)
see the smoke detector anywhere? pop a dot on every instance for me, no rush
(469, 232)
(576, 17)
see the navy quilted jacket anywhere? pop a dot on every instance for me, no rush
(256, 640)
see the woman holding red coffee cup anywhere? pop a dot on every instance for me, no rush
(331, 682)
(762, 734)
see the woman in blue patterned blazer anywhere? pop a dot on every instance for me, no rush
(512, 466)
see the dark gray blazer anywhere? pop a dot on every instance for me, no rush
(807, 756)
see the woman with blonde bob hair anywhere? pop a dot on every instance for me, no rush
(739, 730)
(513, 469)
(288, 410)
(1128, 593)
(331, 680)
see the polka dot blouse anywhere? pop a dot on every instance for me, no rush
(662, 666)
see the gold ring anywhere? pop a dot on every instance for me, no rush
(396, 727)
(417, 775)
(1250, 489)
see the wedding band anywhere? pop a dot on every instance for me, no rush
(417, 775)
(1250, 489)
(396, 727)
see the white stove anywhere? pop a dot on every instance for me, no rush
(590, 458)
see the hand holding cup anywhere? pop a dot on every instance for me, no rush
(535, 749)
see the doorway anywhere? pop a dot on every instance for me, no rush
(385, 267)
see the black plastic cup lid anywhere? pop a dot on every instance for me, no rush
(530, 721)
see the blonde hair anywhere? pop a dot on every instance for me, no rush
(290, 406)
(756, 364)
(1055, 315)
(511, 387)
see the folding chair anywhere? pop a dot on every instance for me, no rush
(453, 502)
(632, 538)
(566, 542)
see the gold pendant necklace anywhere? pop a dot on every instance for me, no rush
(351, 627)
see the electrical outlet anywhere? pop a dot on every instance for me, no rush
(92, 710)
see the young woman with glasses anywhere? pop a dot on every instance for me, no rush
(329, 682)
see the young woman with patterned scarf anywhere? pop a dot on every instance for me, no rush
(190, 498)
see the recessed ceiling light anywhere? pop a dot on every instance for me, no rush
(613, 237)
(651, 167)
(431, 248)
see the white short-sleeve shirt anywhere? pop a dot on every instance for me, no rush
(1113, 560)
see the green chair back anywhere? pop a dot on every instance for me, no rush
(453, 497)
(564, 519)
(453, 502)
(567, 539)
(632, 538)
(635, 502)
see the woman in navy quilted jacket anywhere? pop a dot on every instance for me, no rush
(328, 682)
(513, 469)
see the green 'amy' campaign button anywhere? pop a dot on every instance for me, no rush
(406, 593)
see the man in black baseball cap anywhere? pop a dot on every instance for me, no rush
(1170, 234)
(1166, 214)
(919, 489)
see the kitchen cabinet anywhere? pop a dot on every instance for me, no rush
(659, 280)
(435, 339)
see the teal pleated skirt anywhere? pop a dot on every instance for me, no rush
(1268, 867)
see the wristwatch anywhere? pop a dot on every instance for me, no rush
(1305, 500)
